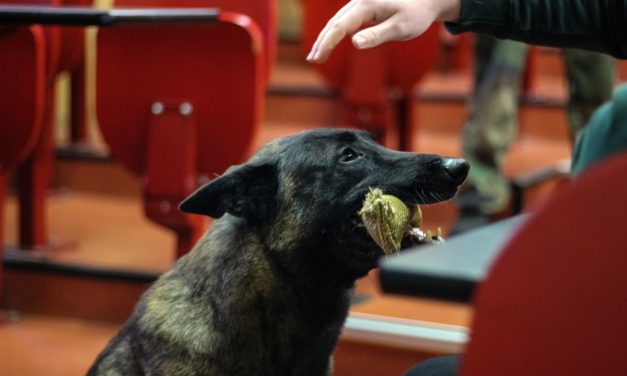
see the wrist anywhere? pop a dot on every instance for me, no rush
(449, 10)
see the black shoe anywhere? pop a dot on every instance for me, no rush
(469, 220)
(470, 216)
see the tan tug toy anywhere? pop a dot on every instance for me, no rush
(388, 220)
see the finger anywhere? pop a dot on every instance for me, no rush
(334, 20)
(348, 23)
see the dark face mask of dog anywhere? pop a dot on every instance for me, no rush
(303, 192)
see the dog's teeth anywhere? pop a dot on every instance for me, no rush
(417, 216)
(428, 237)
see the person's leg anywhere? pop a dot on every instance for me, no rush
(490, 128)
(483, 48)
(591, 78)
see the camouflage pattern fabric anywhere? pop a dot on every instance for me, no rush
(491, 126)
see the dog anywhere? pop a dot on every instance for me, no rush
(267, 289)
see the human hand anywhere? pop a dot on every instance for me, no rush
(394, 19)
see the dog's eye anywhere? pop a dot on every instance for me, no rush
(349, 155)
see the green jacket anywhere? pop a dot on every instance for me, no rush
(605, 134)
(599, 25)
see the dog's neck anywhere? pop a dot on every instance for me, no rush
(322, 289)
(305, 265)
(306, 261)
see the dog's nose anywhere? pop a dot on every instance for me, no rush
(456, 168)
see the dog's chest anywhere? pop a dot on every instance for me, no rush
(300, 337)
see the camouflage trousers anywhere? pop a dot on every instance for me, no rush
(491, 125)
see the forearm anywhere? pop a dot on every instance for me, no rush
(599, 25)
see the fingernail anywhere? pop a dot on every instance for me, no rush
(360, 41)
(310, 56)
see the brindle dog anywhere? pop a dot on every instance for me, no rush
(267, 289)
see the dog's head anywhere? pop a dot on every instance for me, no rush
(302, 193)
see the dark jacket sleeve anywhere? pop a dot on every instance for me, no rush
(599, 25)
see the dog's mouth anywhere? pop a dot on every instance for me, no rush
(391, 223)
(412, 236)
(426, 195)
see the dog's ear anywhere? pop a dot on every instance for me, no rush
(249, 191)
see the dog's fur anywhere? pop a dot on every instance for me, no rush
(267, 289)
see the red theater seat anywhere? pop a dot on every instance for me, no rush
(22, 73)
(263, 12)
(34, 175)
(376, 85)
(555, 301)
(179, 102)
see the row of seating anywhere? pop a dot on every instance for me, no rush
(173, 101)
(179, 103)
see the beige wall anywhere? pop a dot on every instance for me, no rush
(289, 19)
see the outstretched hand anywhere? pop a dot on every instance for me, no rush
(393, 19)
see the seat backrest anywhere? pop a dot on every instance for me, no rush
(53, 38)
(22, 73)
(405, 62)
(217, 68)
(263, 12)
(555, 302)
